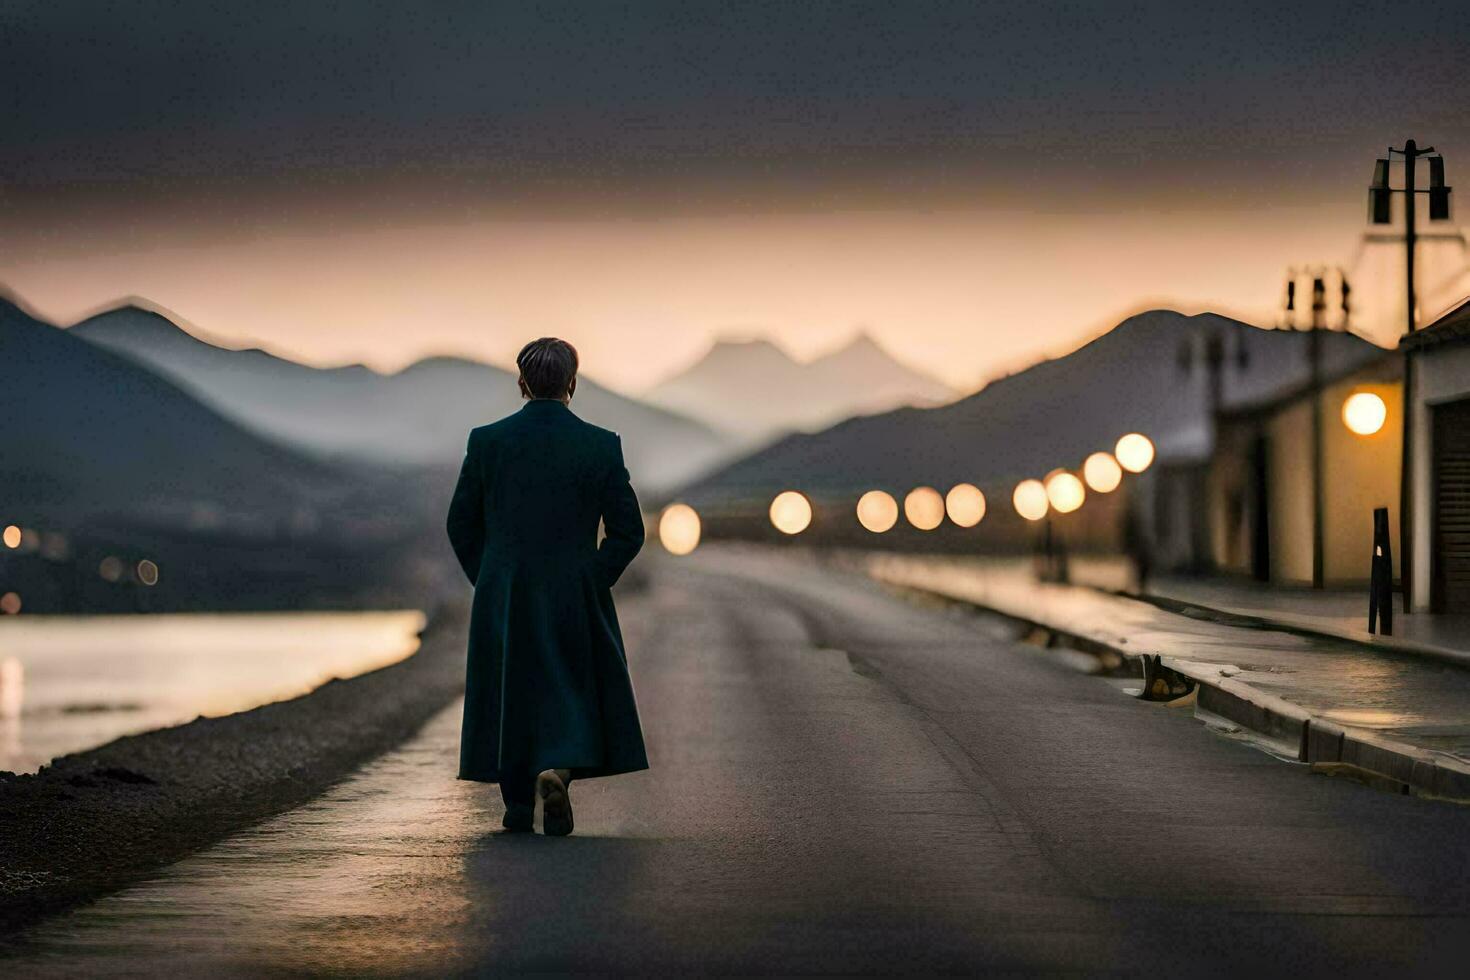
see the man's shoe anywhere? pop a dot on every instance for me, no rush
(556, 803)
(519, 818)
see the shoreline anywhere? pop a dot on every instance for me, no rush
(97, 820)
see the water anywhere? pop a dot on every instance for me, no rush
(69, 683)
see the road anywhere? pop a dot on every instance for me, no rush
(842, 782)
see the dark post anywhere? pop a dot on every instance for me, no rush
(1314, 348)
(1406, 476)
(1380, 589)
(1379, 194)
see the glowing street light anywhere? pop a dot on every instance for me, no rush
(1102, 472)
(791, 512)
(678, 529)
(1064, 491)
(924, 508)
(877, 511)
(965, 504)
(12, 536)
(1364, 413)
(1135, 452)
(1030, 500)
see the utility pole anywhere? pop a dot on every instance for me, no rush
(1406, 467)
(1379, 214)
(1319, 493)
(1315, 326)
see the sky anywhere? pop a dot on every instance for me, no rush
(976, 184)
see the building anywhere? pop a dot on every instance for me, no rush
(1279, 512)
(1439, 463)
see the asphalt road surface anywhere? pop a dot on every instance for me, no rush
(842, 782)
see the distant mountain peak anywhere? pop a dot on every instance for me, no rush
(861, 340)
(740, 341)
(862, 347)
(753, 388)
(747, 347)
(145, 331)
(446, 362)
(132, 315)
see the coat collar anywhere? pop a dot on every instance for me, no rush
(545, 405)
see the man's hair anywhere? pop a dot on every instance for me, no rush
(548, 367)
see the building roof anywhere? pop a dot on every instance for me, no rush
(1454, 326)
(1385, 366)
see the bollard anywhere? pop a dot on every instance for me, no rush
(1380, 582)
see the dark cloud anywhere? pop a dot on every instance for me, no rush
(502, 96)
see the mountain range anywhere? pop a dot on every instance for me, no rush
(755, 391)
(418, 416)
(87, 432)
(1147, 374)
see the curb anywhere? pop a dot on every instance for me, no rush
(1325, 746)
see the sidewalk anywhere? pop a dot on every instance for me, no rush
(1338, 613)
(1380, 708)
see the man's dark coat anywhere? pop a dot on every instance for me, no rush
(547, 684)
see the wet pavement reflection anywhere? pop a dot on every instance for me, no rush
(1415, 699)
(308, 891)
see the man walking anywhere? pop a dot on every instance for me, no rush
(547, 693)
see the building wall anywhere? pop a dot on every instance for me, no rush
(1230, 487)
(1442, 374)
(1359, 474)
(1290, 493)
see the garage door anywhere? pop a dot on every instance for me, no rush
(1452, 507)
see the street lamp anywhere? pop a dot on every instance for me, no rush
(1030, 500)
(1102, 472)
(678, 529)
(877, 511)
(965, 504)
(1364, 413)
(1379, 213)
(1134, 452)
(924, 508)
(1064, 492)
(791, 512)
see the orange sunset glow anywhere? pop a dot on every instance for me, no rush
(643, 295)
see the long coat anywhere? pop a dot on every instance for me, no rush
(547, 682)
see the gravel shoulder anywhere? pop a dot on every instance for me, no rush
(95, 821)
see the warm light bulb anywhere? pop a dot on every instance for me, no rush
(965, 504)
(877, 511)
(1364, 413)
(791, 512)
(1065, 492)
(1134, 452)
(1102, 472)
(678, 529)
(924, 508)
(1030, 500)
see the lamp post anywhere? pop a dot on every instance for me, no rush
(1319, 494)
(1317, 324)
(1379, 197)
